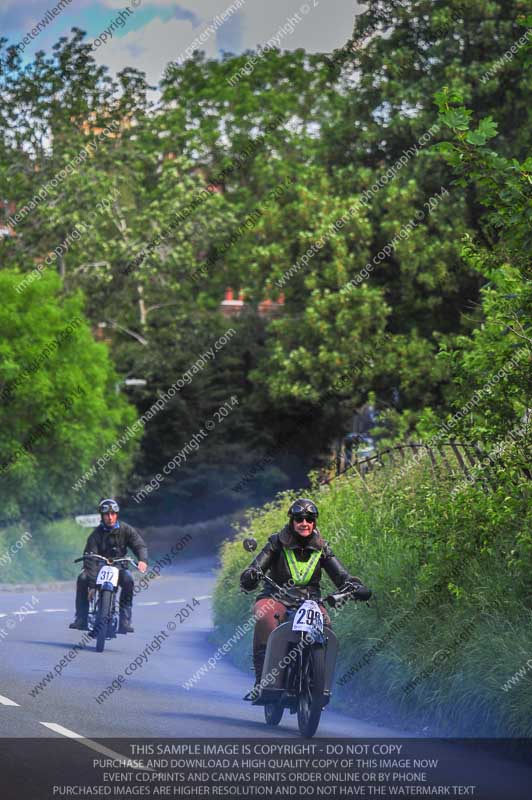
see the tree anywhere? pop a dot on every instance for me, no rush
(493, 364)
(60, 410)
(399, 55)
(103, 194)
(307, 176)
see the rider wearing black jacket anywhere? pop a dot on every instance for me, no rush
(294, 557)
(270, 559)
(111, 539)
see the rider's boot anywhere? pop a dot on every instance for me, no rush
(259, 654)
(82, 604)
(124, 625)
(79, 624)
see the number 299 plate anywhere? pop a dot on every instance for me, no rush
(308, 617)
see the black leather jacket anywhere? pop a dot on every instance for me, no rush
(272, 560)
(114, 544)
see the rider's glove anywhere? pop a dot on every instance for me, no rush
(357, 589)
(249, 579)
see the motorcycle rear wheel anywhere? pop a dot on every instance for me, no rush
(310, 701)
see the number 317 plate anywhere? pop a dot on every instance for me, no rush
(108, 575)
(308, 617)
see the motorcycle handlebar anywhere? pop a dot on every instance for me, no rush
(110, 561)
(331, 599)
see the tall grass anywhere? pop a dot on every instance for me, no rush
(452, 608)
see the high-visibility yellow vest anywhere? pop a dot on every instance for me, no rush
(301, 571)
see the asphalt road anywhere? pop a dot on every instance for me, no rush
(151, 702)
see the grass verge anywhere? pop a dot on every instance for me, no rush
(451, 618)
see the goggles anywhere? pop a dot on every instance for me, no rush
(308, 517)
(107, 506)
(304, 508)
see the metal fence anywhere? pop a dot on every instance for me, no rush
(447, 456)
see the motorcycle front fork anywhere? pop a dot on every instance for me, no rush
(292, 682)
(93, 614)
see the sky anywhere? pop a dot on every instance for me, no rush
(152, 33)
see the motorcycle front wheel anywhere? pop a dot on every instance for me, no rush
(273, 713)
(310, 701)
(102, 619)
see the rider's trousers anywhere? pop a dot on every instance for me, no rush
(125, 581)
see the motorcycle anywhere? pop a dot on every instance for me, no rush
(300, 659)
(102, 620)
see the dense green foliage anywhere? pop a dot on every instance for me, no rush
(451, 577)
(449, 560)
(59, 407)
(494, 363)
(152, 209)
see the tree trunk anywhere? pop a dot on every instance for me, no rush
(142, 306)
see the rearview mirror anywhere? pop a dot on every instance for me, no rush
(250, 544)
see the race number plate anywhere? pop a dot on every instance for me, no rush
(308, 617)
(108, 575)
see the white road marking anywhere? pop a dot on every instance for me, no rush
(204, 597)
(5, 701)
(65, 610)
(53, 726)
(59, 729)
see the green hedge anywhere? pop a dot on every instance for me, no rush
(452, 604)
(40, 553)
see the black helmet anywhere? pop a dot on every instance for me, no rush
(303, 506)
(108, 505)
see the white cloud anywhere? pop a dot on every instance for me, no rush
(151, 48)
(205, 9)
(324, 25)
(328, 24)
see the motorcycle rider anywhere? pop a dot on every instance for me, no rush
(294, 557)
(111, 539)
